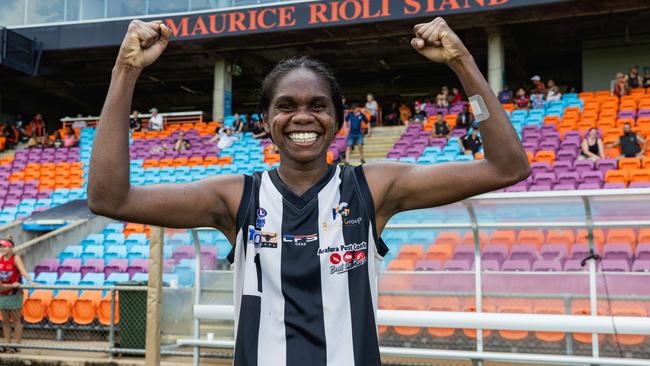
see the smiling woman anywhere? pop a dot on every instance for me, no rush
(306, 236)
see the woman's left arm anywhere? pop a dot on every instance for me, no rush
(21, 268)
(400, 187)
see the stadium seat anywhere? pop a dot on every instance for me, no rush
(549, 306)
(626, 236)
(35, 307)
(114, 279)
(92, 265)
(84, 310)
(583, 307)
(104, 309)
(469, 305)
(629, 308)
(46, 278)
(443, 304)
(92, 279)
(503, 237)
(534, 237)
(68, 279)
(439, 251)
(521, 306)
(413, 303)
(60, 309)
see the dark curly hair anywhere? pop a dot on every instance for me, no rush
(317, 67)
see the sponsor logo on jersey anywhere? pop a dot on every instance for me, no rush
(346, 262)
(341, 216)
(262, 239)
(340, 210)
(299, 240)
(343, 248)
(261, 215)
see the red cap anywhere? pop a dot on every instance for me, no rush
(6, 243)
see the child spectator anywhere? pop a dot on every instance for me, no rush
(404, 113)
(373, 108)
(456, 96)
(536, 99)
(521, 100)
(553, 94)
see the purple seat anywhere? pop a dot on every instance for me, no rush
(428, 265)
(69, 265)
(615, 265)
(563, 166)
(642, 251)
(549, 145)
(632, 185)
(614, 185)
(605, 165)
(553, 251)
(579, 251)
(46, 265)
(138, 265)
(490, 265)
(530, 145)
(617, 251)
(182, 252)
(540, 188)
(116, 265)
(590, 186)
(495, 251)
(641, 265)
(457, 265)
(591, 176)
(539, 167)
(573, 265)
(544, 178)
(168, 265)
(516, 265)
(568, 178)
(564, 187)
(94, 265)
(523, 252)
(547, 265)
(517, 188)
(463, 252)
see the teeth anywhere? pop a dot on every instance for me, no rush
(303, 137)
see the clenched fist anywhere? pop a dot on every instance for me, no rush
(437, 42)
(143, 44)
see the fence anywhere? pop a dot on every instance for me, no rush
(168, 118)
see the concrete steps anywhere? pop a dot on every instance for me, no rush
(377, 146)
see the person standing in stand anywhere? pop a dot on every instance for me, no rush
(11, 295)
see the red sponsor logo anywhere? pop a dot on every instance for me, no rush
(335, 258)
(359, 256)
(347, 257)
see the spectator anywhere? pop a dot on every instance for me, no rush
(238, 123)
(465, 119)
(355, 137)
(58, 141)
(471, 142)
(224, 138)
(456, 96)
(621, 88)
(44, 142)
(10, 134)
(521, 100)
(646, 77)
(80, 122)
(70, 139)
(536, 99)
(539, 85)
(249, 124)
(441, 101)
(592, 146)
(440, 127)
(404, 113)
(258, 131)
(392, 118)
(12, 270)
(19, 124)
(634, 80)
(554, 93)
(33, 140)
(420, 115)
(373, 108)
(181, 143)
(135, 123)
(156, 122)
(630, 143)
(506, 95)
(444, 91)
(38, 125)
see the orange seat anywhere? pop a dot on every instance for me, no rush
(530, 157)
(637, 91)
(622, 236)
(194, 161)
(629, 163)
(586, 95)
(401, 265)
(443, 304)
(225, 160)
(104, 309)
(545, 156)
(549, 306)
(412, 252)
(508, 107)
(640, 175)
(519, 306)
(149, 163)
(180, 162)
(84, 310)
(599, 239)
(413, 303)
(583, 307)
(166, 162)
(617, 176)
(131, 228)
(448, 237)
(211, 160)
(502, 237)
(35, 307)
(629, 308)
(535, 237)
(439, 251)
(469, 306)
(60, 309)
(644, 235)
(564, 237)
(468, 238)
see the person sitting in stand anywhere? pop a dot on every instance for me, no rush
(621, 88)
(456, 96)
(156, 122)
(539, 84)
(506, 95)
(592, 147)
(224, 138)
(10, 134)
(554, 93)
(471, 143)
(404, 114)
(258, 131)
(20, 125)
(465, 119)
(181, 143)
(70, 139)
(521, 100)
(33, 141)
(134, 122)
(58, 140)
(536, 99)
(38, 125)
(420, 115)
(440, 127)
(630, 143)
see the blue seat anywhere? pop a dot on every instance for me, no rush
(140, 276)
(183, 179)
(408, 159)
(114, 239)
(116, 227)
(46, 278)
(198, 169)
(92, 279)
(168, 278)
(519, 113)
(569, 96)
(71, 251)
(167, 179)
(213, 169)
(115, 252)
(185, 275)
(151, 173)
(223, 249)
(183, 170)
(69, 279)
(92, 251)
(432, 150)
(138, 251)
(115, 278)
(397, 237)
(168, 250)
(136, 239)
(426, 159)
(137, 180)
(185, 238)
(93, 239)
(422, 236)
(464, 157)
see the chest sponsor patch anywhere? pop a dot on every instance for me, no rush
(299, 240)
(345, 257)
(262, 239)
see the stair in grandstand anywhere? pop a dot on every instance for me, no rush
(376, 146)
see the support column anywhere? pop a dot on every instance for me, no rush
(222, 92)
(154, 297)
(496, 60)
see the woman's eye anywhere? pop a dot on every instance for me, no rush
(285, 107)
(319, 107)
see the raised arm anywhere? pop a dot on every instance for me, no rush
(210, 202)
(399, 187)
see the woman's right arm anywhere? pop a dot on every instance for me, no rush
(209, 202)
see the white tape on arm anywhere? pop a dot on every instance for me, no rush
(479, 109)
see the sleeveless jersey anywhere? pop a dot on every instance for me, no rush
(306, 272)
(8, 273)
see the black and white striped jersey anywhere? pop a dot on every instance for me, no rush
(306, 272)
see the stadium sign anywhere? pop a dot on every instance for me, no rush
(324, 13)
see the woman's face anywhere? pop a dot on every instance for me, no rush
(301, 116)
(593, 133)
(521, 92)
(5, 251)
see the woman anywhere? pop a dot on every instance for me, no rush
(70, 139)
(306, 236)
(521, 100)
(621, 88)
(11, 295)
(592, 147)
(38, 125)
